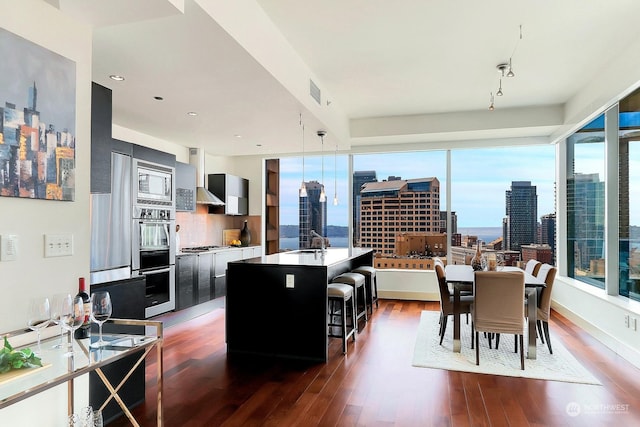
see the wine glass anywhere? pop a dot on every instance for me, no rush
(56, 308)
(100, 312)
(71, 317)
(39, 316)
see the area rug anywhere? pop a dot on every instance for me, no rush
(428, 353)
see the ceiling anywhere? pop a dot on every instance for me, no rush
(388, 72)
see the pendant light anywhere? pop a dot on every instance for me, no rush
(303, 187)
(335, 177)
(323, 196)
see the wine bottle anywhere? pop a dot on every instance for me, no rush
(83, 331)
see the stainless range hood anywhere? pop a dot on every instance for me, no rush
(203, 196)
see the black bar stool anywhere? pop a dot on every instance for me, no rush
(356, 280)
(371, 282)
(340, 295)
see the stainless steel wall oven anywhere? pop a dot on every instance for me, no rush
(153, 255)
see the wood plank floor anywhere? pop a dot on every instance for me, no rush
(375, 384)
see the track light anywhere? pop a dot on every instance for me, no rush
(323, 195)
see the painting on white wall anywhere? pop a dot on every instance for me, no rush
(37, 121)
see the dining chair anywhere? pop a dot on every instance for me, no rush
(548, 273)
(532, 267)
(498, 306)
(446, 301)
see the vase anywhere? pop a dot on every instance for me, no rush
(478, 262)
(245, 235)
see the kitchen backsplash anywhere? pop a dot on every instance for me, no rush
(201, 228)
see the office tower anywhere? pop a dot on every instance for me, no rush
(522, 215)
(585, 221)
(548, 233)
(443, 222)
(398, 206)
(312, 214)
(359, 179)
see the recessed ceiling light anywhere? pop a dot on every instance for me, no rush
(158, 98)
(192, 113)
(116, 77)
(258, 145)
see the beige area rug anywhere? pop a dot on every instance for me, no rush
(428, 353)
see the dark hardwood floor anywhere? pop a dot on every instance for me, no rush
(375, 384)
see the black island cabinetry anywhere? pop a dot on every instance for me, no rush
(276, 305)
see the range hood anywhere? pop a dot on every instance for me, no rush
(203, 196)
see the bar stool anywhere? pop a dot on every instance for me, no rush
(371, 282)
(356, 280)
(339, 296)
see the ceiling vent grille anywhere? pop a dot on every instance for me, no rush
(314, 91)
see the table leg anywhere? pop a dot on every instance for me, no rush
(457, 347)
(532, 307)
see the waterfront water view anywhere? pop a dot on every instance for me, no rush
(486, 234)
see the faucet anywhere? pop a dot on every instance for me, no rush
(314, 234)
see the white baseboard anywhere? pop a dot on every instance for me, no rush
(615, 345)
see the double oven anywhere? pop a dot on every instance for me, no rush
(153, 230)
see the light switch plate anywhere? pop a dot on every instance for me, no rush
(291, 281)
(8, 247)
(58, 245)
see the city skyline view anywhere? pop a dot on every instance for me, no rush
(480, 178)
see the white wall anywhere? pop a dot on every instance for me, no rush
(601, 315)
(32, 274)
(408, 285)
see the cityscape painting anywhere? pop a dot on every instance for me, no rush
(37, 121)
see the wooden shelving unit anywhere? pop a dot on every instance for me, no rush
(272, 217)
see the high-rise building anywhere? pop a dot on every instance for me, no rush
(548, 233)
(388, 208)
(359, 179)
(585, 221)
(443, 222)
(522, 215)
(312, 214)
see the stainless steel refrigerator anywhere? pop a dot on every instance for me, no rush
(111, 225)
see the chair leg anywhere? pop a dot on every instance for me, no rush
(545, 325)
(539, 325)
(522, 352)
(344, 327)
(472, 336)
(477, 350)
(515, 343)
(443, 328)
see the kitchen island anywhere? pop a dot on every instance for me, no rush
(277, 304)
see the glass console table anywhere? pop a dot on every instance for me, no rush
(59, 369)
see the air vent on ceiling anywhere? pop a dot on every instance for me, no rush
(314, 91)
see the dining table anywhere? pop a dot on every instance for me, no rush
(461, 277)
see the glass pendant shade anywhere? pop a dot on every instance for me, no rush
(323, 196)
(303, 190)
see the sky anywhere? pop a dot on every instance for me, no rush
(480, 178)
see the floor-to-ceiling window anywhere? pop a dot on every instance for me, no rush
(586, 203)
(398, 200)
(629, 195)
(505, 196)
(299, 215)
